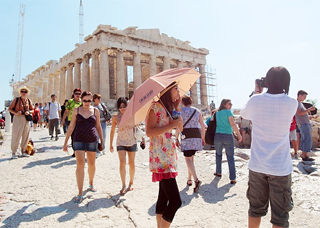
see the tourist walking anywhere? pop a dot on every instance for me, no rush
(35, 116)
(303, 122)
(45, 118)
(22, 109)
(73, 103)
(126, 144)
(104, 116)
(224, 139)
(63, 109)
(53, 110)
(163, 154)
(194, 130)
(41, 115)
(86, 129)
(270, 164)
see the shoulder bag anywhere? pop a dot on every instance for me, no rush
(191, 132)
(106, 114)
(211, 130)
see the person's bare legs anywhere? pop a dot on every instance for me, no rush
(91, 160)
(122, 159)
(295, 146)
(191, 168)
(80, 157)
(132, 169)
(254, 222)
(161, 223)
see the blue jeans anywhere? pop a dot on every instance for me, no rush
(104, 131)
(226, 141)
(306, 137)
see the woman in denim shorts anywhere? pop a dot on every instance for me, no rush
(126, 144)
(85, 126)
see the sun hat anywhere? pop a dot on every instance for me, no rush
(23, 88)
(168, 88)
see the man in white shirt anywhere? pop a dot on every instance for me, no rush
(270, 165)
(53, 110)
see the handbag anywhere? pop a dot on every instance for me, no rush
(211, 130)
(138, 133)
(107, 116)
(191, 132)
(28, 117)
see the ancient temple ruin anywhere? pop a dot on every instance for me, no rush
(101, 63)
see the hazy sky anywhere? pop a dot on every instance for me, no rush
(245, 38)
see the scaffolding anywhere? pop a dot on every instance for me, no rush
(211, 83)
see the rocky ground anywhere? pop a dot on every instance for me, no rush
(38, 191)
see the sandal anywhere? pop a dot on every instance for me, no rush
(217, 174)
(198, 183)
(233, 182)
(78, 199)
(92, 189)
(123, 191)
(130, 188)
(189, 182)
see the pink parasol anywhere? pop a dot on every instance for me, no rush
(150, 90)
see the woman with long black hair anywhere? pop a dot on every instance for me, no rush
(162, 150)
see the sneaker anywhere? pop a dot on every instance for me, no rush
(14, 156)
(51, 137)
(307, 159)
(57, 138)
(295, 156)
(25, 155)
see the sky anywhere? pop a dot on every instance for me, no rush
(244, 38)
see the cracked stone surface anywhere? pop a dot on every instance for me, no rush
(38, 191)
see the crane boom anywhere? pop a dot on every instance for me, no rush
(19, 43)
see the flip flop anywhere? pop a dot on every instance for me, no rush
(189, 182)
(92, 189)
(78, 199)
(196, 188)
(307, 159)
(123, 191)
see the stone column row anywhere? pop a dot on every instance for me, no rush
(71, 76)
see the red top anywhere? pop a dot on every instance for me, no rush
(293, 124)
(36, 112)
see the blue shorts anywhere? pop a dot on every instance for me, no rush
(132, 148)
(306, 137)
(89, 147)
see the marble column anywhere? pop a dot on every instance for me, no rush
(152, 65)
(62, 88)
(40, 90)
(180, 64)
(69, 87)
(136, 70)
(203, 86)
(194, 91)
(45, 89)
(85, 76)
(166, 63)
(56, 83)
(77, 74)
(94, 85)
(121, 90)
(104, 75)
(50, 86)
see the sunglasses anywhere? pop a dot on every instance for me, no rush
(123, 106)
(86, 101)
(23, 91)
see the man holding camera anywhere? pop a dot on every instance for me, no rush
(270, 165)
(304, 126)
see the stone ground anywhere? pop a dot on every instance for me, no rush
(38, 191)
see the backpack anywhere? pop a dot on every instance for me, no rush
(105, 113)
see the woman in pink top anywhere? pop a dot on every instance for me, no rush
(162, 150)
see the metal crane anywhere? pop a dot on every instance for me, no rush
(19, 43)
(81, 33)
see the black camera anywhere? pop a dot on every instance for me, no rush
(261, 82)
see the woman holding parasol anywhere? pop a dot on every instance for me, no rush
(162, 150)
